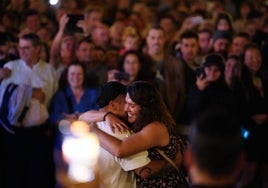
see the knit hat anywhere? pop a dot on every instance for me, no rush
(222, 35)
(216, 60)
(109, 91)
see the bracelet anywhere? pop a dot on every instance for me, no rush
(104, 117)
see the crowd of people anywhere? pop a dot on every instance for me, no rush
(169, 62)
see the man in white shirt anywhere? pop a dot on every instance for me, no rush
(29, 162)
(31, 70)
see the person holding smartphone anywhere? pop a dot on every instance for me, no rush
(133, 66)
(211, 89)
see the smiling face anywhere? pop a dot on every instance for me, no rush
(155, 41)
(253, 60)
(75, 76)
(213, 73)
(132, 109)
(131, 65)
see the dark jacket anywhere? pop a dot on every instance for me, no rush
(215, 95)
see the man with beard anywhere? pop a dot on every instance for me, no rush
(221, 43)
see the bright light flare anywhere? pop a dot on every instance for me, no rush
(53, 2)
(81, 152)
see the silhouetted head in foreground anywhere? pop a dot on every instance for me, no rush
(215, 150)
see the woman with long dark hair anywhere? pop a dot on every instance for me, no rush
(153, 128)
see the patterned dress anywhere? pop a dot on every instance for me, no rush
(173, 178)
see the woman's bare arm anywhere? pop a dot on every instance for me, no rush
(93, 116)
(55, 46)
(154, 134)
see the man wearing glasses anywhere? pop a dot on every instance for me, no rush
(27, 149)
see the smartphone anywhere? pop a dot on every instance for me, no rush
(71, 25)
(121, 76)
(199, 71)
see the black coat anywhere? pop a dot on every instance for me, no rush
(215, 95)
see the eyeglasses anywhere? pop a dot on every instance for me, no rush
(24, 48)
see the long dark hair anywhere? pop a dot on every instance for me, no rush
(146, 65)
(225, 16)
(140, 59)
(152, 106)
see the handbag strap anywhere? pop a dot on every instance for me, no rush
(167, 158)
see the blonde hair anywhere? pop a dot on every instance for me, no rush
(130, 31)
